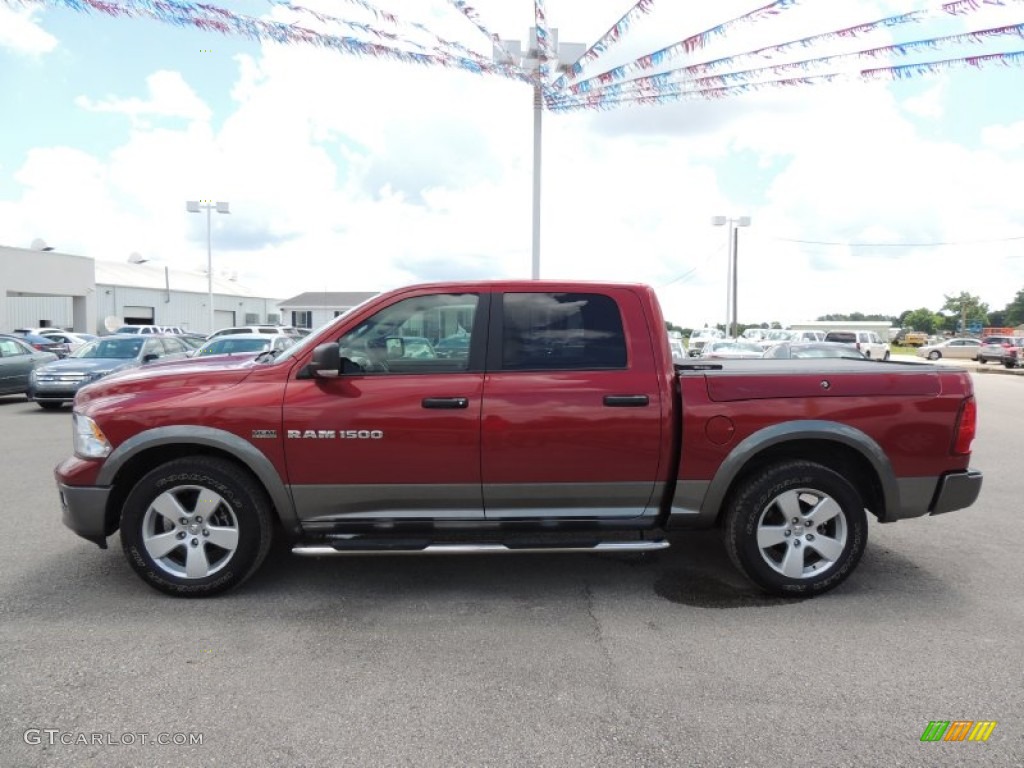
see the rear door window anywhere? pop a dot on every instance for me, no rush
(562, 331)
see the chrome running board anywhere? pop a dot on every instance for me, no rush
(365, 548)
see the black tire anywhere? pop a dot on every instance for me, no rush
(228, 495)
(802, 486)
(934, 354)
(982, 360)
(886, 355)
(48, 406)
(1009, 366)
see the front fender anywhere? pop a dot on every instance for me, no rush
(221, 440)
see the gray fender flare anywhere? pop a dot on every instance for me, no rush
(228, 442)
(790, 431)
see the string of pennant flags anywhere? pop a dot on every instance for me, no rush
(644, 80)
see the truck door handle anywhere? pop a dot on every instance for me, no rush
(626, 401)
(446, 402)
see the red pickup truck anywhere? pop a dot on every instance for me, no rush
(510, 417)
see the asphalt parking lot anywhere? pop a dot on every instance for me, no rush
(543, 660)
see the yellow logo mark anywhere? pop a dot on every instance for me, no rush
(982, 730)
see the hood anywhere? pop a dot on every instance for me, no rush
(88, 365)
(170, 378)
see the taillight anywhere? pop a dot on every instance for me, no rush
(966, 426)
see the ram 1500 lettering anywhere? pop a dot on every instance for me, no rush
(553, 420)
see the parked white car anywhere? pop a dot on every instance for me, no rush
(151, 330)
(964, 349)
(678, 350)
(731, 349)
(700, 337)
(269, 330)
(868, 342)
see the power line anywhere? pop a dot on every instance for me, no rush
(899, 245)
(690, 272)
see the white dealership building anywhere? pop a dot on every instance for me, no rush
(41, 287)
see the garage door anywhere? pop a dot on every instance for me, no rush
(138, 315)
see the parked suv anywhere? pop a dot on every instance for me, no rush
(1014, 357)
(868, 342)
(997, 348)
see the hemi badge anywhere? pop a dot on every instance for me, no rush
(264, 433)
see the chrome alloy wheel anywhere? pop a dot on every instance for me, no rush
(802, 533)
(190, 532)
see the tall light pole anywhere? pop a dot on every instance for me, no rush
(566, 54)
(732, 280)
(196, 206)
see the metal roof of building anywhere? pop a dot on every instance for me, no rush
(326, 299)
(159, 277)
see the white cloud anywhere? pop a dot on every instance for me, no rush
(168, 96)
(929, 104)
(346, 173)
(1004, 138)
(20, 31)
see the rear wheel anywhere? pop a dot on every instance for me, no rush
(797, 529)
(934, 354)
(196, 527)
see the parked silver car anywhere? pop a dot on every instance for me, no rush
(56, 383)
(17, 361)
(962, 349)
(244, 344)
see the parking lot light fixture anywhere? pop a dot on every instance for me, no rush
(564, 56)
(197, 206)
(732, 281)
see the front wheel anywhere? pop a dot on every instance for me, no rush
(886, 355)
(982, 360)
(196, 527)
(798, 528)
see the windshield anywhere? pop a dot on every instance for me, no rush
(111, 349)
(232, 346)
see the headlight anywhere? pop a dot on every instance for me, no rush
(90, 442)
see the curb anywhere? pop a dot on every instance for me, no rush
(970, 365)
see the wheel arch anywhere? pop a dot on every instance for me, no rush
(843, 449)
(146, 450)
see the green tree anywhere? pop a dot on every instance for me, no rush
(923, 320)
(965, 307)
(1014, 312)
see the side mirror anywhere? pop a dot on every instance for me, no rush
(150, 357)
(325, 363)
(394, 347)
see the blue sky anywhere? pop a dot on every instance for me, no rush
(357, 173)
